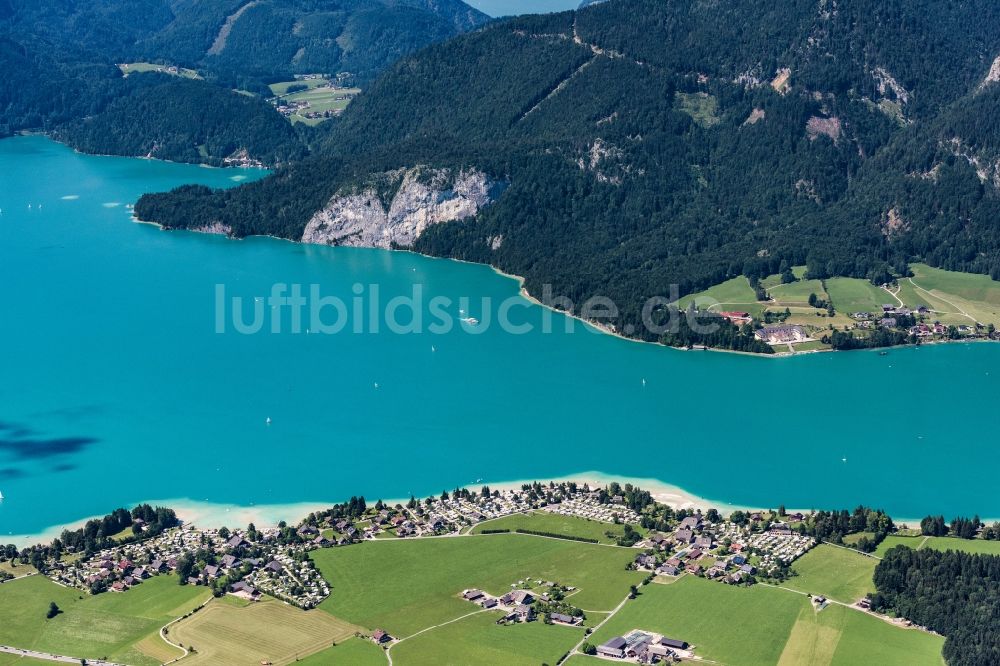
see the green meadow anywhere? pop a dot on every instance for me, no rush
(404, 585)
(108, 625)
(854, 295)
(544, 521)
(838, 573)
(838, 636)
(732, 625)
(797, 293)
(734, 294)
(478, 640)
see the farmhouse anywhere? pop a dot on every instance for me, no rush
(613, 648)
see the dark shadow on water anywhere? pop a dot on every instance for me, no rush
(26, 444)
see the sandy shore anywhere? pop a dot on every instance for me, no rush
(213, 515)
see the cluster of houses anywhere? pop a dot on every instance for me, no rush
(722, 551)
(644, 647)
(250, 568)
(518, 605)
(890, 316)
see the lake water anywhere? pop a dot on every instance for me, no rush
(115, 386)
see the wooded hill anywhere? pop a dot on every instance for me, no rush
(59, 57)
(649, 143)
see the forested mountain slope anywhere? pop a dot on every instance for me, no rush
(59, 56)
(649, 143)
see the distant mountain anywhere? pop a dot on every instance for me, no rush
(58, 56)
(647, 144)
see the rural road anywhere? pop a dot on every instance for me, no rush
(54, 657)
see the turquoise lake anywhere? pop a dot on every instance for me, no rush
(116, 388)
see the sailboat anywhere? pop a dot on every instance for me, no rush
(268, 420)
(1, 496)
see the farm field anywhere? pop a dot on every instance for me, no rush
(785, 629)
(269, 630)
(478, 640)
(838, 573)
(544, 521)
(352, 652)
(109, 625)
(404, 586)
(139, 67)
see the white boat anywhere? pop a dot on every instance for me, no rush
(1, 496)
(268, 420)
(470, 320)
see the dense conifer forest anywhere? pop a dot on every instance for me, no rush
(953, 593)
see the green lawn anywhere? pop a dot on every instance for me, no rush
(478, 640)
(544, 521)
(732, 625)
(404, 586)
(352, 652)
(107, 625)
(838, 573)
(734, 294)
(855, 295)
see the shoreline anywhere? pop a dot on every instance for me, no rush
(212, 515)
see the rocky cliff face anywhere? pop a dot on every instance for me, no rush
(396, 207)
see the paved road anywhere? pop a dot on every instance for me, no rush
(45, 656)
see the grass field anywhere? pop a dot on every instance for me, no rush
(404, 586)
(797, 293)
(544, 521)
(765, 625)
(108, 625)
(318, 94)
(732, 625)
(15, 660)
(352, 652)
(838, 636)
(478, 640)
(734, 294)
(702, 107)
(139, 67)
(838, 573)
(962, 293)
(855, 295)
(978, 546)
(265, 631)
